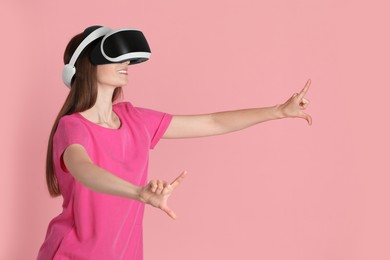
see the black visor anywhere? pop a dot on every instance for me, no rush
(119, 46)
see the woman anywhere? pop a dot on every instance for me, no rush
(97, 155)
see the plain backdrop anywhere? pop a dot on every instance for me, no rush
(281, 190)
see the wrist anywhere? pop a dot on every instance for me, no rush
(138, 194)
(278, 111)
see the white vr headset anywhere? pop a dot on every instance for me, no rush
(113, 46)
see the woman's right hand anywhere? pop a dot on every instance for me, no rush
(157, 192)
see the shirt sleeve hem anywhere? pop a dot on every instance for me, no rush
(165, 121)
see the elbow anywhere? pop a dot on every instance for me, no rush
(82, 172)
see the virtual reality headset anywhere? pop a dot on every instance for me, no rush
(110, 46)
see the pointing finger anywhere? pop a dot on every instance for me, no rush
(305, 89)
(178, 180)
(167, 189)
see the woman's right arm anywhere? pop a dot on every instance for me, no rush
(155, 193)
(80, 165)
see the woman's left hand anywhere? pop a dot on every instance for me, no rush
(295, 105)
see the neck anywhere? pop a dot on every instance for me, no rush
(101, 112)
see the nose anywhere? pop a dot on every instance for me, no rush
(126, 62)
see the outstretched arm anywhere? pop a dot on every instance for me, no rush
(155, 193)
(187, 126)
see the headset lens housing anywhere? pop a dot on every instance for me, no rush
(121, 45)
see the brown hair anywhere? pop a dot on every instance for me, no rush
(81, 97)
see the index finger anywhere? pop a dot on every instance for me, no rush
(305, 89)
(179, 179)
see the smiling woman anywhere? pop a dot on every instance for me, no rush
(98, 151)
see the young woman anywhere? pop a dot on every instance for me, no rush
(97, 155)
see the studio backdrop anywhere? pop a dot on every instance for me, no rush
(279, 190)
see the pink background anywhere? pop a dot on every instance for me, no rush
(279, 190)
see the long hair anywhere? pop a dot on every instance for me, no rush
(82, 96)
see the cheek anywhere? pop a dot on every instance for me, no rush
(103, 75)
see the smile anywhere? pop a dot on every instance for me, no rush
(122, 71)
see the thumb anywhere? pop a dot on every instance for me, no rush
(170, 212)
(307, 117)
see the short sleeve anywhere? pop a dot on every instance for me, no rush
(156, 122)
(69, 131)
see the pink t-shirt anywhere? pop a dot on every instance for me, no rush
(95, 225)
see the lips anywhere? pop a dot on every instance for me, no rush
(123, 71)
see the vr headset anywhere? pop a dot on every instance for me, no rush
(112, 46)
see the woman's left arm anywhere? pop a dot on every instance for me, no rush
(187, 126)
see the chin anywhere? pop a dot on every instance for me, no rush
(120, 83)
